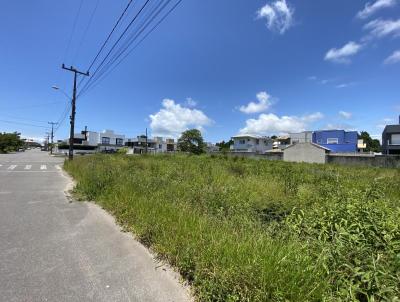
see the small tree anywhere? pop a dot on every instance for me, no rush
(191, 141)
(224, 146)
(372, 144)
(10, 142)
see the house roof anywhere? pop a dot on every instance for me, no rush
(250, 135)
(392, 128)
(315, 145)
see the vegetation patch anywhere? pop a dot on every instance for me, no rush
(248, 230)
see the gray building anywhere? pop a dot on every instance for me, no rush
(301, 137)
(305, 153)
(391, 139)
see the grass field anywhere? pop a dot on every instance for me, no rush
(248, 230)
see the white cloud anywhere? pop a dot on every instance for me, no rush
(341, 126)
(371, 8)
(263, 104)
(379, 28)
(388, 120)
(341, 55)
(191, 102)
(278, 14)
(173, 119)
(393, 58)
(272, 124)
(345, 115)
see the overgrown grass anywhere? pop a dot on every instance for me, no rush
(248, 230)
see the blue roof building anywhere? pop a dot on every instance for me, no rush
(338, 141)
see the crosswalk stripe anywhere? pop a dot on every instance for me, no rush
(43, 167)
(12, 167)
(28, 167)
(58, 167)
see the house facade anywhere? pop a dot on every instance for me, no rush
(154, 145)
(391, 139)
(306, 153)
(301, 137)
(337, 141)
(251, 143)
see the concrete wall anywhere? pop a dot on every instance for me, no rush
(383, 161)
(267, 156)
(307, 153)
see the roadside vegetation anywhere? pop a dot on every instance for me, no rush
(248, 230)
(10, 142)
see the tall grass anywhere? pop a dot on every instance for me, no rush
(247, 230)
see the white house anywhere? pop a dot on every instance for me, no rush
(251, 143)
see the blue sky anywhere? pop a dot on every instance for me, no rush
(224, 66)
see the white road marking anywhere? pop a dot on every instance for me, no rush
(58, 167)
(12, 167)
(43, 167)
(28, 167)
(1, 165)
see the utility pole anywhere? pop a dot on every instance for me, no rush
(52, 135)
(146, 150)
(47, 140)
(73, 109)
(85, 133)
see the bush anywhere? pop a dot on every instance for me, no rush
(247, 230)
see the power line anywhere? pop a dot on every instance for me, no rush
(31, 106)
(25, 124)
(109, 35)
(116, 43)
(133, 36)
(22, 118)
(86, 30)
(103, 76)
(73, 30)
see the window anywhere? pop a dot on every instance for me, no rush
(159, 146)
(395, 139)
(332, 141)
(105, 140)
(257, 141)
(118, 141)
(242, 142)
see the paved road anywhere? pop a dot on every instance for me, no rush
(53, 250)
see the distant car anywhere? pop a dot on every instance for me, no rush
(21, 150)
(109, 151)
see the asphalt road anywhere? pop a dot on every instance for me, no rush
(54, 250)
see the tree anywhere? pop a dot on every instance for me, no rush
(191, 141)
(10, 142)
(373, 145)
(224, 146)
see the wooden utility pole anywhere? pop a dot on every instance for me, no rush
(146, 148)
(52, 135)
(73, 109)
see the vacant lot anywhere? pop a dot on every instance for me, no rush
(247, 230)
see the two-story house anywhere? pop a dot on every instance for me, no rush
(391, 139)
(301, 137)
(337, 141)
(251, 143)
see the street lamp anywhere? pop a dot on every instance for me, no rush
(62, 91)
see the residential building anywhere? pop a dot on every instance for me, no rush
(106, 140)
(391, 139)
(281, 142)
(154, 145)
(337, 141)
(301, 137)
(251, 143)
(92, 141)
